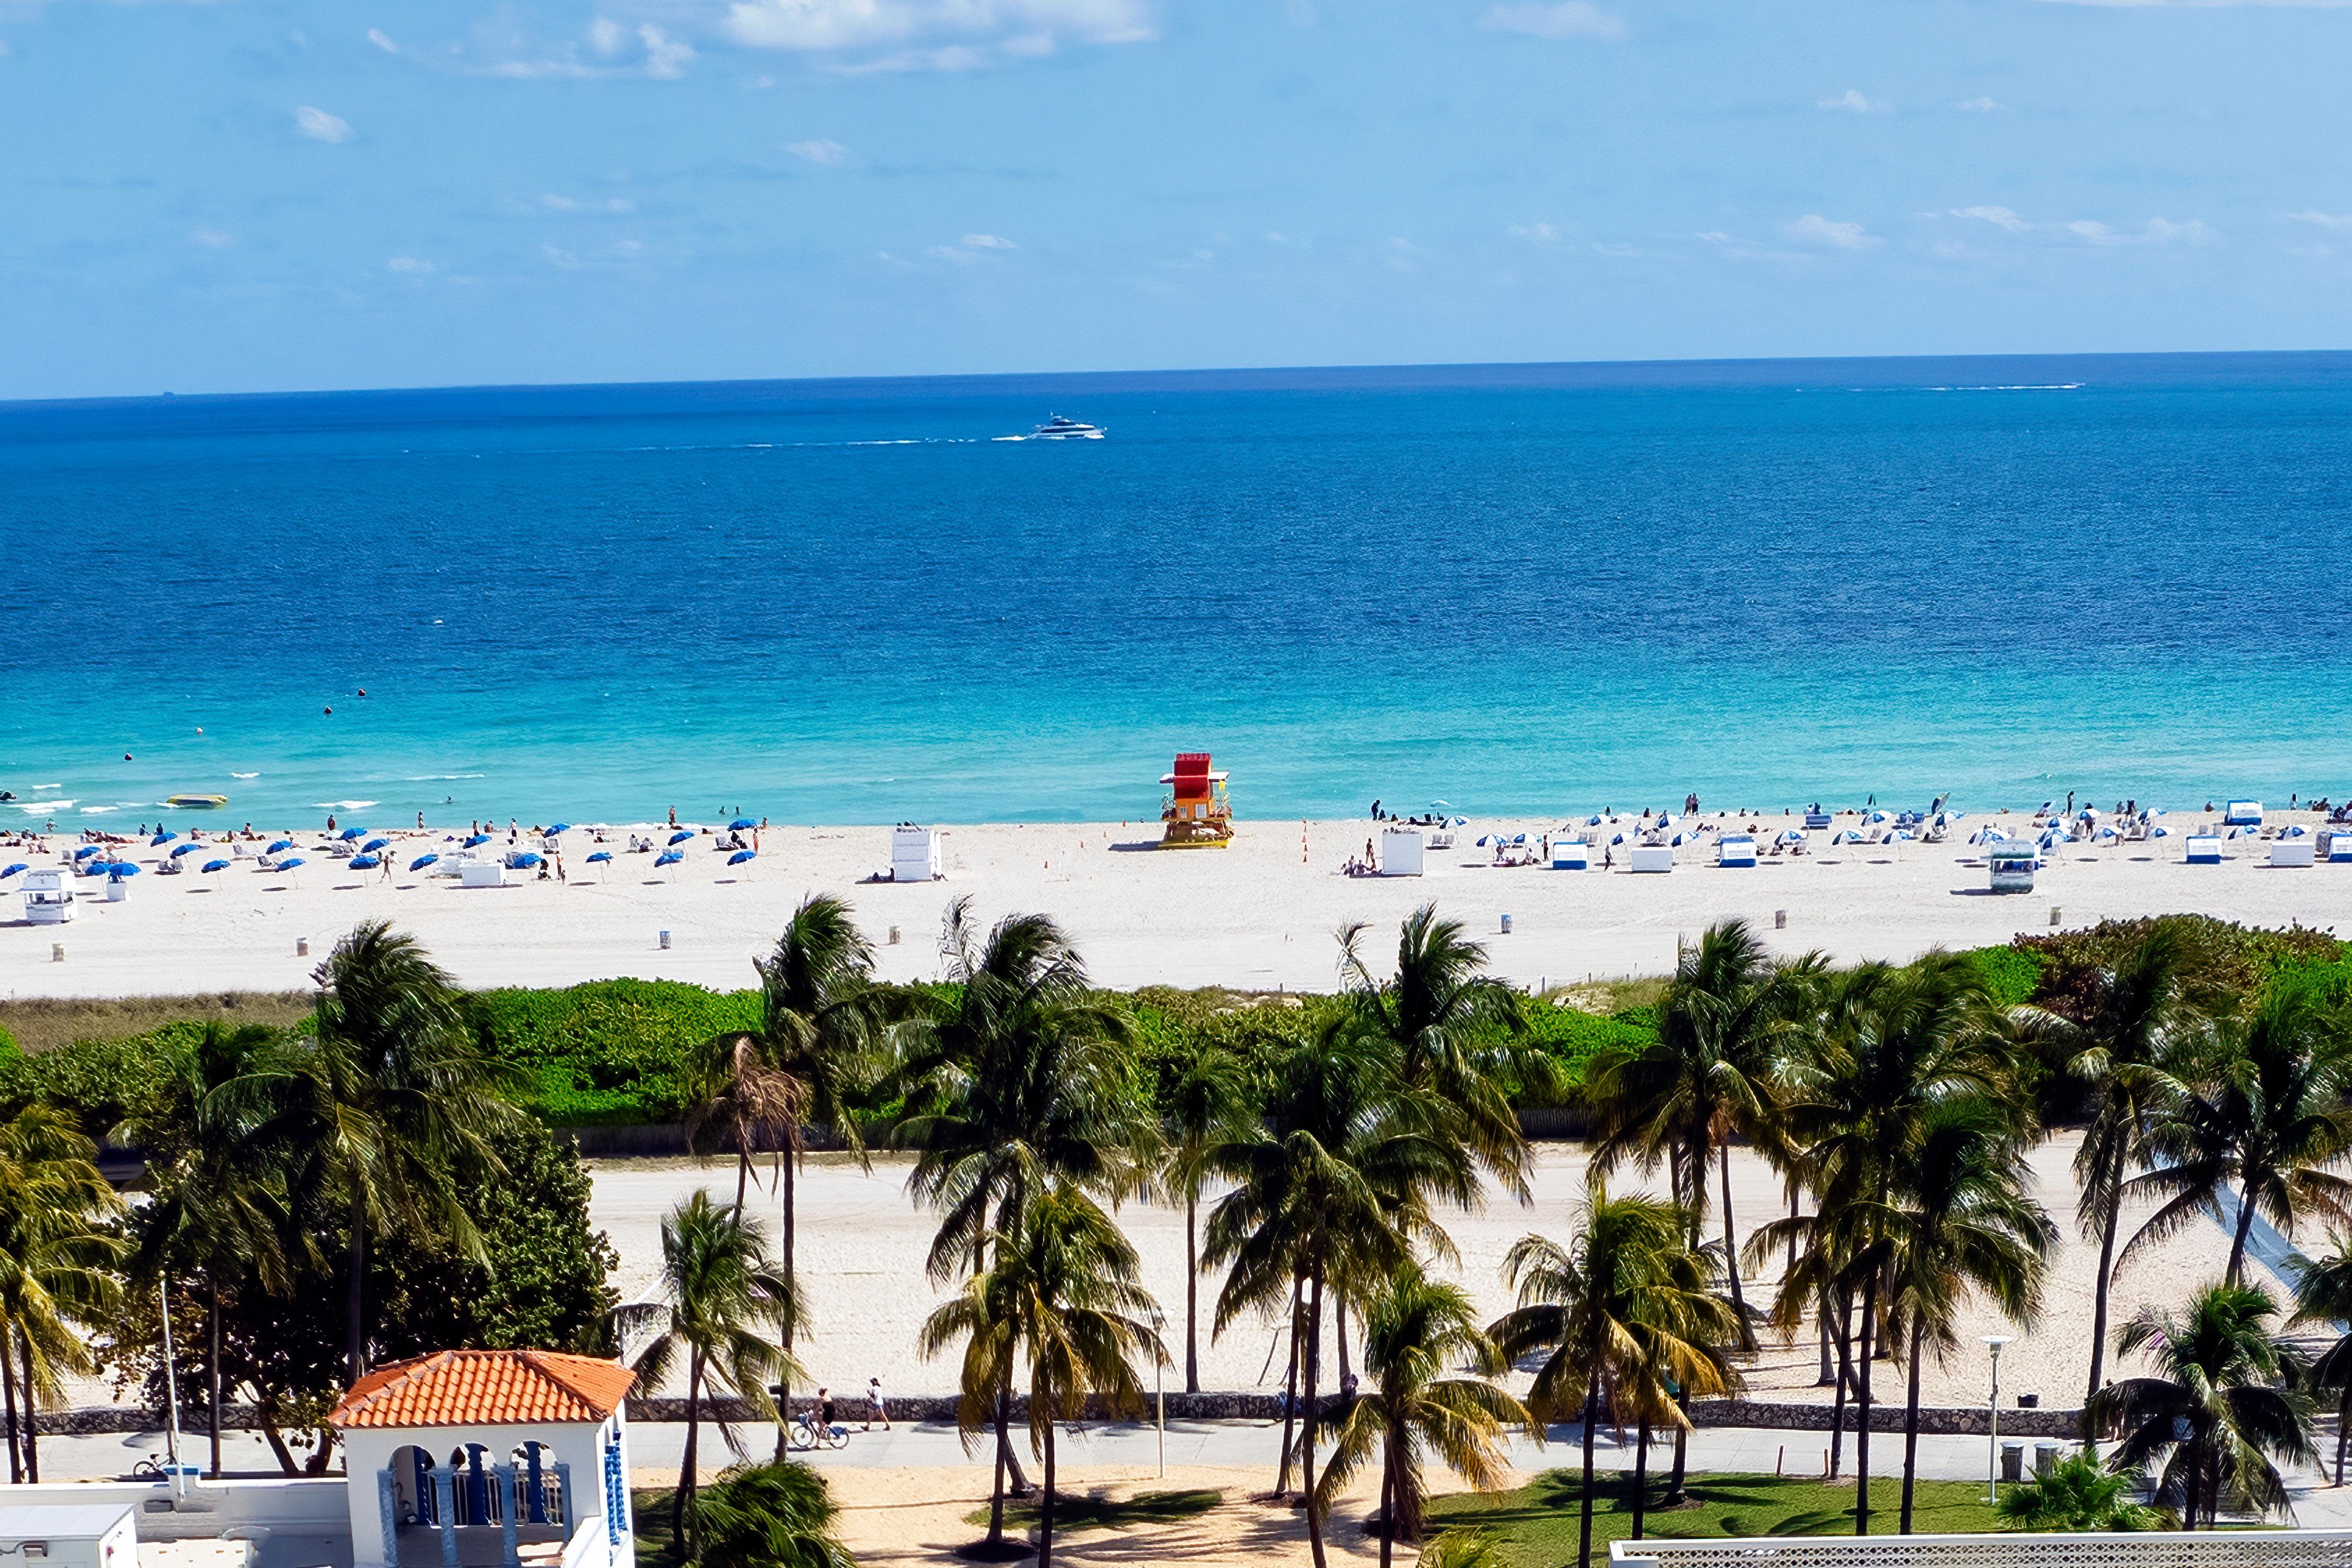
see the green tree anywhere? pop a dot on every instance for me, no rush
(391, 1102)
(1062, 1294)
(1021, 1080)
(58, 1256)
(720, 1296)
(1205, 1101)
(1625, 1306)
(2121, 1024)
(219, 1208)
(2221, 1410)
(774, 1515)
(1336, 1183)
(2076, 1494)
(1416, 1331)
(2323, 1295)
(2254, 1112)
(1709, 1077)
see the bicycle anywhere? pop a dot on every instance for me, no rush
(808, 1432)
(149, 1468)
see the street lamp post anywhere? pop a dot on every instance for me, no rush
(1992, 1458)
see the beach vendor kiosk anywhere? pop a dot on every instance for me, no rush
(1196, 810)
(2012, 866)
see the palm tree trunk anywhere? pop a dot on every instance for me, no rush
(1844, 1382)
(1827, 1373)
(1401, 1505)
(1192, 1290)
(1307, 1433)
(2113, 1200)
(1911, 1428)
(1591, 1419)
(1792, 1262)
(1731, 1258)
(1290, 1388)
(32, 1415)
(1045, 1507)
(1641, 1474)
(1676, 1497)
(681, 1500)
(996, 1497)
(2343, 1429)
(213, 1370)
(1388, 1503)
(356, 1343)
(742, 1169)
(8, 1384)
(1339, 1328)
(1861, 1414)
(784, 1182)
(2238, 1242)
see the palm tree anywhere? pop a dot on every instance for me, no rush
(58, 1254)
(2120, 1030)
(1893, 1045)
(1963, 1220)
(393, 1099)
(1021, 1082)
(2221, 1410)
(1205, 1101)
(219, 1206)
(736, 1100)
(721, 1294)
(1624, 1307)
(1709, 1076)
(1061, 1293)
(776, 1515)
(2323, 1294)
(1415, 1330)
(2254, 1112)
(2076, 1494)
(1336, 1184)
(1454, 1030)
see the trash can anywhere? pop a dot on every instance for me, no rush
(2046, 1456)
(2012, 1461)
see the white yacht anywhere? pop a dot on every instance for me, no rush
(1059, 428)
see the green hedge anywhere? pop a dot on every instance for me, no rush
(609, 1051)
(1573, 1037)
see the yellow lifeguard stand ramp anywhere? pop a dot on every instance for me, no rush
(1196, 810)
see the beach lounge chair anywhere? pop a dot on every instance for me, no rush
(1816, 820)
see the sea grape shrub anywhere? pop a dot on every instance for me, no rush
(610, 1051)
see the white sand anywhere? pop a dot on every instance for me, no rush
(1259, 913)
(862, 1245)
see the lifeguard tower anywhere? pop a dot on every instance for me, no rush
(1196, 810)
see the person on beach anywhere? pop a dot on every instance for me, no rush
(673, 817)
(875, 1409)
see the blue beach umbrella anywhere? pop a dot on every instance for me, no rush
(161, 838)
(599, 858)
(188, 849)
(289, 865)
(477, 838)
(681, 835)
(422, 861)
(668, 857)
(739, 824)
(372, 845)
(561, 827)
(120, 869)
(365, 862)
(12, 870)
(742, 855)
(216, 864)
(275, 845)
(87, 850)
(347, 834)
(1592, 821)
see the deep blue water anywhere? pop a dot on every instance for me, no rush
(1525, 588)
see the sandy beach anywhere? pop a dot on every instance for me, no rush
(1259, 913)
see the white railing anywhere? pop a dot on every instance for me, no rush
(2201, 1549)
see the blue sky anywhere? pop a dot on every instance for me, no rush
(252, 194)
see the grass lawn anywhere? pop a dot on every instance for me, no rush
(651, 1510)
(1075, 1513)
(1537, 1524)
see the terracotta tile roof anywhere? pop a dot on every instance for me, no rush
(485, 1388)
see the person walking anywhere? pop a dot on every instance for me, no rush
(876, 1410)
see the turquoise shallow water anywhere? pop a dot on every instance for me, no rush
(1527, 589)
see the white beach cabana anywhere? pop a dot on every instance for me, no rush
(2204, 849)
(2012, 865)
(1650, 857)
(914, 853)
(1576, 854)
(2242, 814)
(1401, 851)
(2294, 852)
(48, 897)
(1735, 849)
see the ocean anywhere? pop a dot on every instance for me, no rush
(1530, 589)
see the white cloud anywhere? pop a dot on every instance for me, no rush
(665, 57)
(2158, 231)
(1559, 19)
(1532, 231)
(320, 126)
(935, 35)
(1976, 105)
(562, 204)
(1831, 232)
(2324, 220)
(375, 36)
(411, 265)
(989, 242)
(211, 239)
(605, 35)
(1999, 217)
(1851, 101)
(819, 151)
